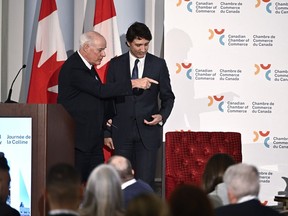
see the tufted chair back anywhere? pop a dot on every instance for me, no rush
(186, 154)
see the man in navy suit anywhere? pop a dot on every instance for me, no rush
(242, 182)
(130, 186)
(139, 118)
(82, 93)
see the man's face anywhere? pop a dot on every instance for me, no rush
(96, 51)
(4, 185)
(139, 47)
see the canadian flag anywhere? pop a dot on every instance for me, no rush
(106, 24)
(49, 55)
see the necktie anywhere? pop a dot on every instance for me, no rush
(94, 73)
(135, 70)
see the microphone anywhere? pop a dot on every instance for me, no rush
(10, 90)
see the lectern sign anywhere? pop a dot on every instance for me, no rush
(15, 142)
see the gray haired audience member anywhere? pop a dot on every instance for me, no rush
(64, 190)
(103, 195)
(130, 186)
(242, 182)
(5, 209)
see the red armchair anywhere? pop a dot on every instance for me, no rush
(186, 154)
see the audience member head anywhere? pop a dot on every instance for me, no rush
(4, 179)
(189, 200)
(148, 204)
(214, 171)
(103, 195)
(241, 180)
(92, 47)
(63, 187)
(123, 167)
(138, 31)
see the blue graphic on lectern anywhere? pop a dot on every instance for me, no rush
(25, 201)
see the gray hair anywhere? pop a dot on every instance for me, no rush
(88, 37)
(242, 180)
(103, 196)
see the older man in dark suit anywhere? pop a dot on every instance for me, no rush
(131, 187)
(82, 93)
(242, 182)
(139, 118)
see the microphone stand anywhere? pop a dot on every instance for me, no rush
(10, 90)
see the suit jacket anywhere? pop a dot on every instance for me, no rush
(248, 208)
(83, 95)
(135, 189)
(144, 104)
(6, 210)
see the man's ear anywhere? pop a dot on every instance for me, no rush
(85, 47)
(81, 193)
(232, 199)
(133, 172)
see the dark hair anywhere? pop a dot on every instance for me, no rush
(62, 182)
(188, 200)
(3, 162)
(214, 170)
(138, 30)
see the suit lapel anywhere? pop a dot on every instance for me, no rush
(126, 63)
(147, 66)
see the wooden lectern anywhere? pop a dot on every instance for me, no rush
(52, 142)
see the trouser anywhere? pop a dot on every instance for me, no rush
(143, 160)
(85, 162)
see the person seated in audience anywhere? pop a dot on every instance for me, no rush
(147, 204)
(64, 191)
(190, 200)
(212, 178)
(5, 209)
(130, 186)
(103, 195)
(242, 182)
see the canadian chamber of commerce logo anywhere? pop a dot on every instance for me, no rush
(216, 100)
(187, 67)
(219, 33)
(188, 5)
(274, 142)
(265, 68)
(265, 135)
(267, 3)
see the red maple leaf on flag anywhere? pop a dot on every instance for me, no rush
(49, 55)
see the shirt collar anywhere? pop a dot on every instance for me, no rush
(63, 211)
(85, 61)
(246, 198)
(133, 58)
(128, 183)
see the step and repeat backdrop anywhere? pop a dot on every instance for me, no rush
(228, 63)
